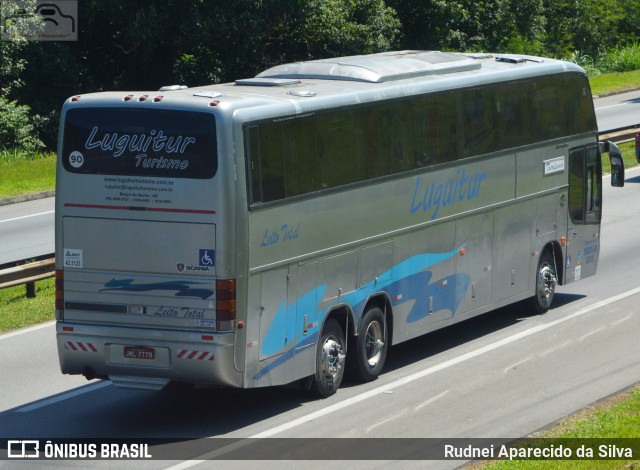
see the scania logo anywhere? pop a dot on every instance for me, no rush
(197, 268)
(182, 267)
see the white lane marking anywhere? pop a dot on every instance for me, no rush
(555, 348)
(430, 400)
(582, 338)
(514, 366)
(26, 330)
(402, 381)
(64, 396)
(622, 320)
(612, 106)
(26, 216)
(387, 420)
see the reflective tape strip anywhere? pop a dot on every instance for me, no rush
(80, 347)
(195, 355)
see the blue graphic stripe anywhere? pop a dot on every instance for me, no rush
(408, 277)
(183, 288)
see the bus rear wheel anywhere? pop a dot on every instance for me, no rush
(330, 358)
(371, 346)
(545, 283)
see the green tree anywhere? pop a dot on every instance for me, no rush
(587, 26)
(17, 126)
(334, 27)
(469, 25)
(11, 66)
(239, 38)
(629, 24)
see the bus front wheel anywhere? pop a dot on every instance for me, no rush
(371, 346)
(545, 283)
(330, 358)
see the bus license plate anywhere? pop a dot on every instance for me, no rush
(139, 352)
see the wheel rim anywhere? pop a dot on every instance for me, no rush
(546, 285)
(332, 359)
(374, 343)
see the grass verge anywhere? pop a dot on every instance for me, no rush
(615, 417)
(17, 311)
(21, 176)
(614, 82)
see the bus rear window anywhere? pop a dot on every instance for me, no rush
(140, 142)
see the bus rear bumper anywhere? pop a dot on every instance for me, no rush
(147, 359)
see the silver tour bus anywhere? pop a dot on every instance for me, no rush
(292, 226)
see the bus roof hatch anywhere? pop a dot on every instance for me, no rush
(376, 68)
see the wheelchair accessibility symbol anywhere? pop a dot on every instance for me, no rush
(207, 257)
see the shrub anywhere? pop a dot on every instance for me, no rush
(618, 59)
(17, 128)
(622, 59)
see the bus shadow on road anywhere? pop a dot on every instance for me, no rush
(456, 335)
(635, 179)
(174, 413)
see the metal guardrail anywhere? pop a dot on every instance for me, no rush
(28, 274)
(619, 136)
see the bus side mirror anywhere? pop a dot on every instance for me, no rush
(617, 171)
(617, 163)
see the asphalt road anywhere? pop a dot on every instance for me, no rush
(505, 374)
(617, 111)
(26, 230)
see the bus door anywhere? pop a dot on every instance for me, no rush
(585, 210)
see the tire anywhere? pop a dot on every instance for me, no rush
(546, 280)
(370, 346)
(330, 358)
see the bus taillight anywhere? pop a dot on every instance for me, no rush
(225, 304)
(59, 294)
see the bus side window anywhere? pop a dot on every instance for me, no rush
(594, 189)
(340, 149)
(548, 102)
(378, 141)
(581, 118)
(585, 190)
(478, 108)
(513, 115)
(271, 162)
(300, 157)
(402, 144)
(442, 124)
(420, 126)
(576, 185)
(252, 152)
